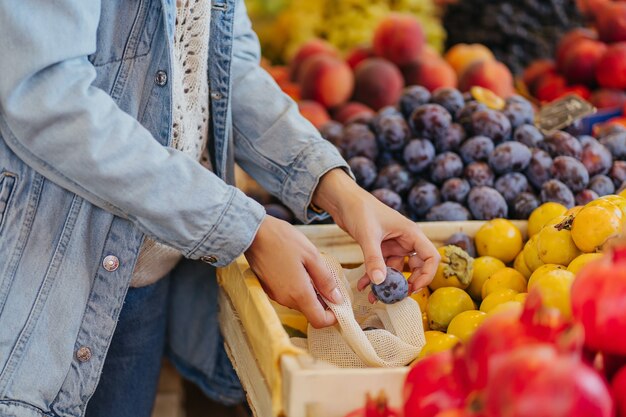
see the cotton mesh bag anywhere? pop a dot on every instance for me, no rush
(366, 335)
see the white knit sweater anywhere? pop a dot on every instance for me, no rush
(190, 89)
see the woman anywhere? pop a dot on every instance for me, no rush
(120, 122)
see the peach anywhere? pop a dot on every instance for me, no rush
(570, 39)
(359, 54)
(580, 61)
(430, 73)
(550, 87)
(307, 50)
(399, 38)
(492, 75)
(611, 22)
(314, 112)
(326, 79)
(279, 73)
(378, 83)
(462, 55)
(351, 110)
(429, 53)
(535, 71)
(605, 98)
(611, 70)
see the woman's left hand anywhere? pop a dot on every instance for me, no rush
(386, 237)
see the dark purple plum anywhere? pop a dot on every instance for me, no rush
(523, 205)
(449, 98)
(389, 198)
(618, 173)
(510, 157)
(616, 143)
(538, 171)
(358, 140)
(529, 135)
(392, 131)
(388, 111)
(585, 196)
(562, 143)
(465, 113)
(332, 131)
(413, 97)
(491, 123)
(455, 189)
(394, 177)
(477, 148)
(555, 190)
(279, 211)
(479, 173)
(448, 212)
(422, 197)
(430, 121)
(451, 140)
(586, 140)
(601, 185)
(393, 289)
(519, 113)
(444, 166)
(609, 129)
(485, 203)
(596, 158)
(462, 241)
(511, 185)
(516, 98)
(364, 171)
(570, 172)
(418, 155)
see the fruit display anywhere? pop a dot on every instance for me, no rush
(284, 25)
(448, 156)
(588, 61)
(517, 32)
(538, 320)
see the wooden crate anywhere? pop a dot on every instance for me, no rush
(282, 380)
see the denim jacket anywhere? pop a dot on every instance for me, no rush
(86, 174)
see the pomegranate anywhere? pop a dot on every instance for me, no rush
(538, 381)
(434, 384)
(507, 330)
(375, 407)
(618, 388)
(599, 302)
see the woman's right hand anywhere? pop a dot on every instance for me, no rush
(292, 271)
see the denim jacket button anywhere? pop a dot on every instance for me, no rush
(111, 263)
(83, 354)
(160, 78)
(216, 96)
(209, 259)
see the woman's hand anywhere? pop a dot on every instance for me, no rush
(385, 236)
(292, 271)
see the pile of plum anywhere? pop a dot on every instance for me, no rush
(445, 156)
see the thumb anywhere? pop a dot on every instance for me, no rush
(323, 280)
(374, 262)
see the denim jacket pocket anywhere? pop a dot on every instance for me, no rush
(7, 185)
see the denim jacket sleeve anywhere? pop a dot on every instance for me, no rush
(74, 134)
(273, 142)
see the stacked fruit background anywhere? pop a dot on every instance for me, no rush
(590, 61)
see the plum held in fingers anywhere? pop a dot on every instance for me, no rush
(393, 289)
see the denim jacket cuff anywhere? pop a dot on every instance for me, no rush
(312, 163)
(233, 233)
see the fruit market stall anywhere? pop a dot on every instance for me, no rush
(507, 144)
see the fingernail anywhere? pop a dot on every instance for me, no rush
(335, 296)
(378, 277)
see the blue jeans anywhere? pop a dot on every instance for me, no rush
(129, 379)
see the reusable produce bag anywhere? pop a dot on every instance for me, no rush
(366, 335)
